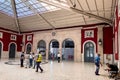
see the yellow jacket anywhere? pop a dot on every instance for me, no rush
(39, 59)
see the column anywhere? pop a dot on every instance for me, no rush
(100, 46)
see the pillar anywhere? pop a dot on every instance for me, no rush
(100, 46)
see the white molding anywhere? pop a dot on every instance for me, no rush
(1, 48)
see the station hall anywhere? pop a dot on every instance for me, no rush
(77, 30)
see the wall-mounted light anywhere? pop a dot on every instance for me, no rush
(100, 42)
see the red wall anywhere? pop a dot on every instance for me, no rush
(83, 39)
(19, 42)
(108, 40)
(26, 39)
(6, 41)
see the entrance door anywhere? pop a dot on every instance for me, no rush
(28, 48)
(53, 49)
(0, 49)
(89, 52)
(41, 46)
(12, 51)
(68, 49)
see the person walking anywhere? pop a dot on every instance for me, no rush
(38, 62)
(97, 64)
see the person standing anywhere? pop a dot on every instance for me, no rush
(97, 64)
(58, 56)
(34, 60)
(27, 60)
(30, 60)
(38, 61)
(22, 57)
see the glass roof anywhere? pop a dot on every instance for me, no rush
(6, 7)
(28, 7)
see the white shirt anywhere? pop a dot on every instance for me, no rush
(30, 56)
(58, 55)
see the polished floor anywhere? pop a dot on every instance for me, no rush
(52, 71)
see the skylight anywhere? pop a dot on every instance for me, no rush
(29, 7)
(6, 7)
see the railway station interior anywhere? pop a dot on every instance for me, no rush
(77, 29)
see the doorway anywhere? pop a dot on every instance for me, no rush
(28, 50)
(53, 49)
(68, 50)
(89, 52)
(12, 51)
(41, 46)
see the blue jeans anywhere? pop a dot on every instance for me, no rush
(97, 68)
(34, 63)
(31, 61)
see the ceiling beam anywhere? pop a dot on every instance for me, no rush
(77, 11)
(15, 15)
(96, 7)
(82, 9)
(92, 15)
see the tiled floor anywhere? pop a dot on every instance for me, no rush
(52, 71)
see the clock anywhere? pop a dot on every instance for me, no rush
(53, 33)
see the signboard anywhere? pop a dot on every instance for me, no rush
(1, 35)
(13, 37)
(29, 38)
(89, 34)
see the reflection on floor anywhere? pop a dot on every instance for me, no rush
(52, 71)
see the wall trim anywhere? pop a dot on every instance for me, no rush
(1, 48)
(68, 27)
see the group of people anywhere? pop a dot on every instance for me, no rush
(53, 56)
(111, 68)
(31, 60)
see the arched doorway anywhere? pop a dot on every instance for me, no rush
(12, 51)
(53, 49)
(89, 52)
(68, 49)
(41, 46)
(0, 49)
(28, 49)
